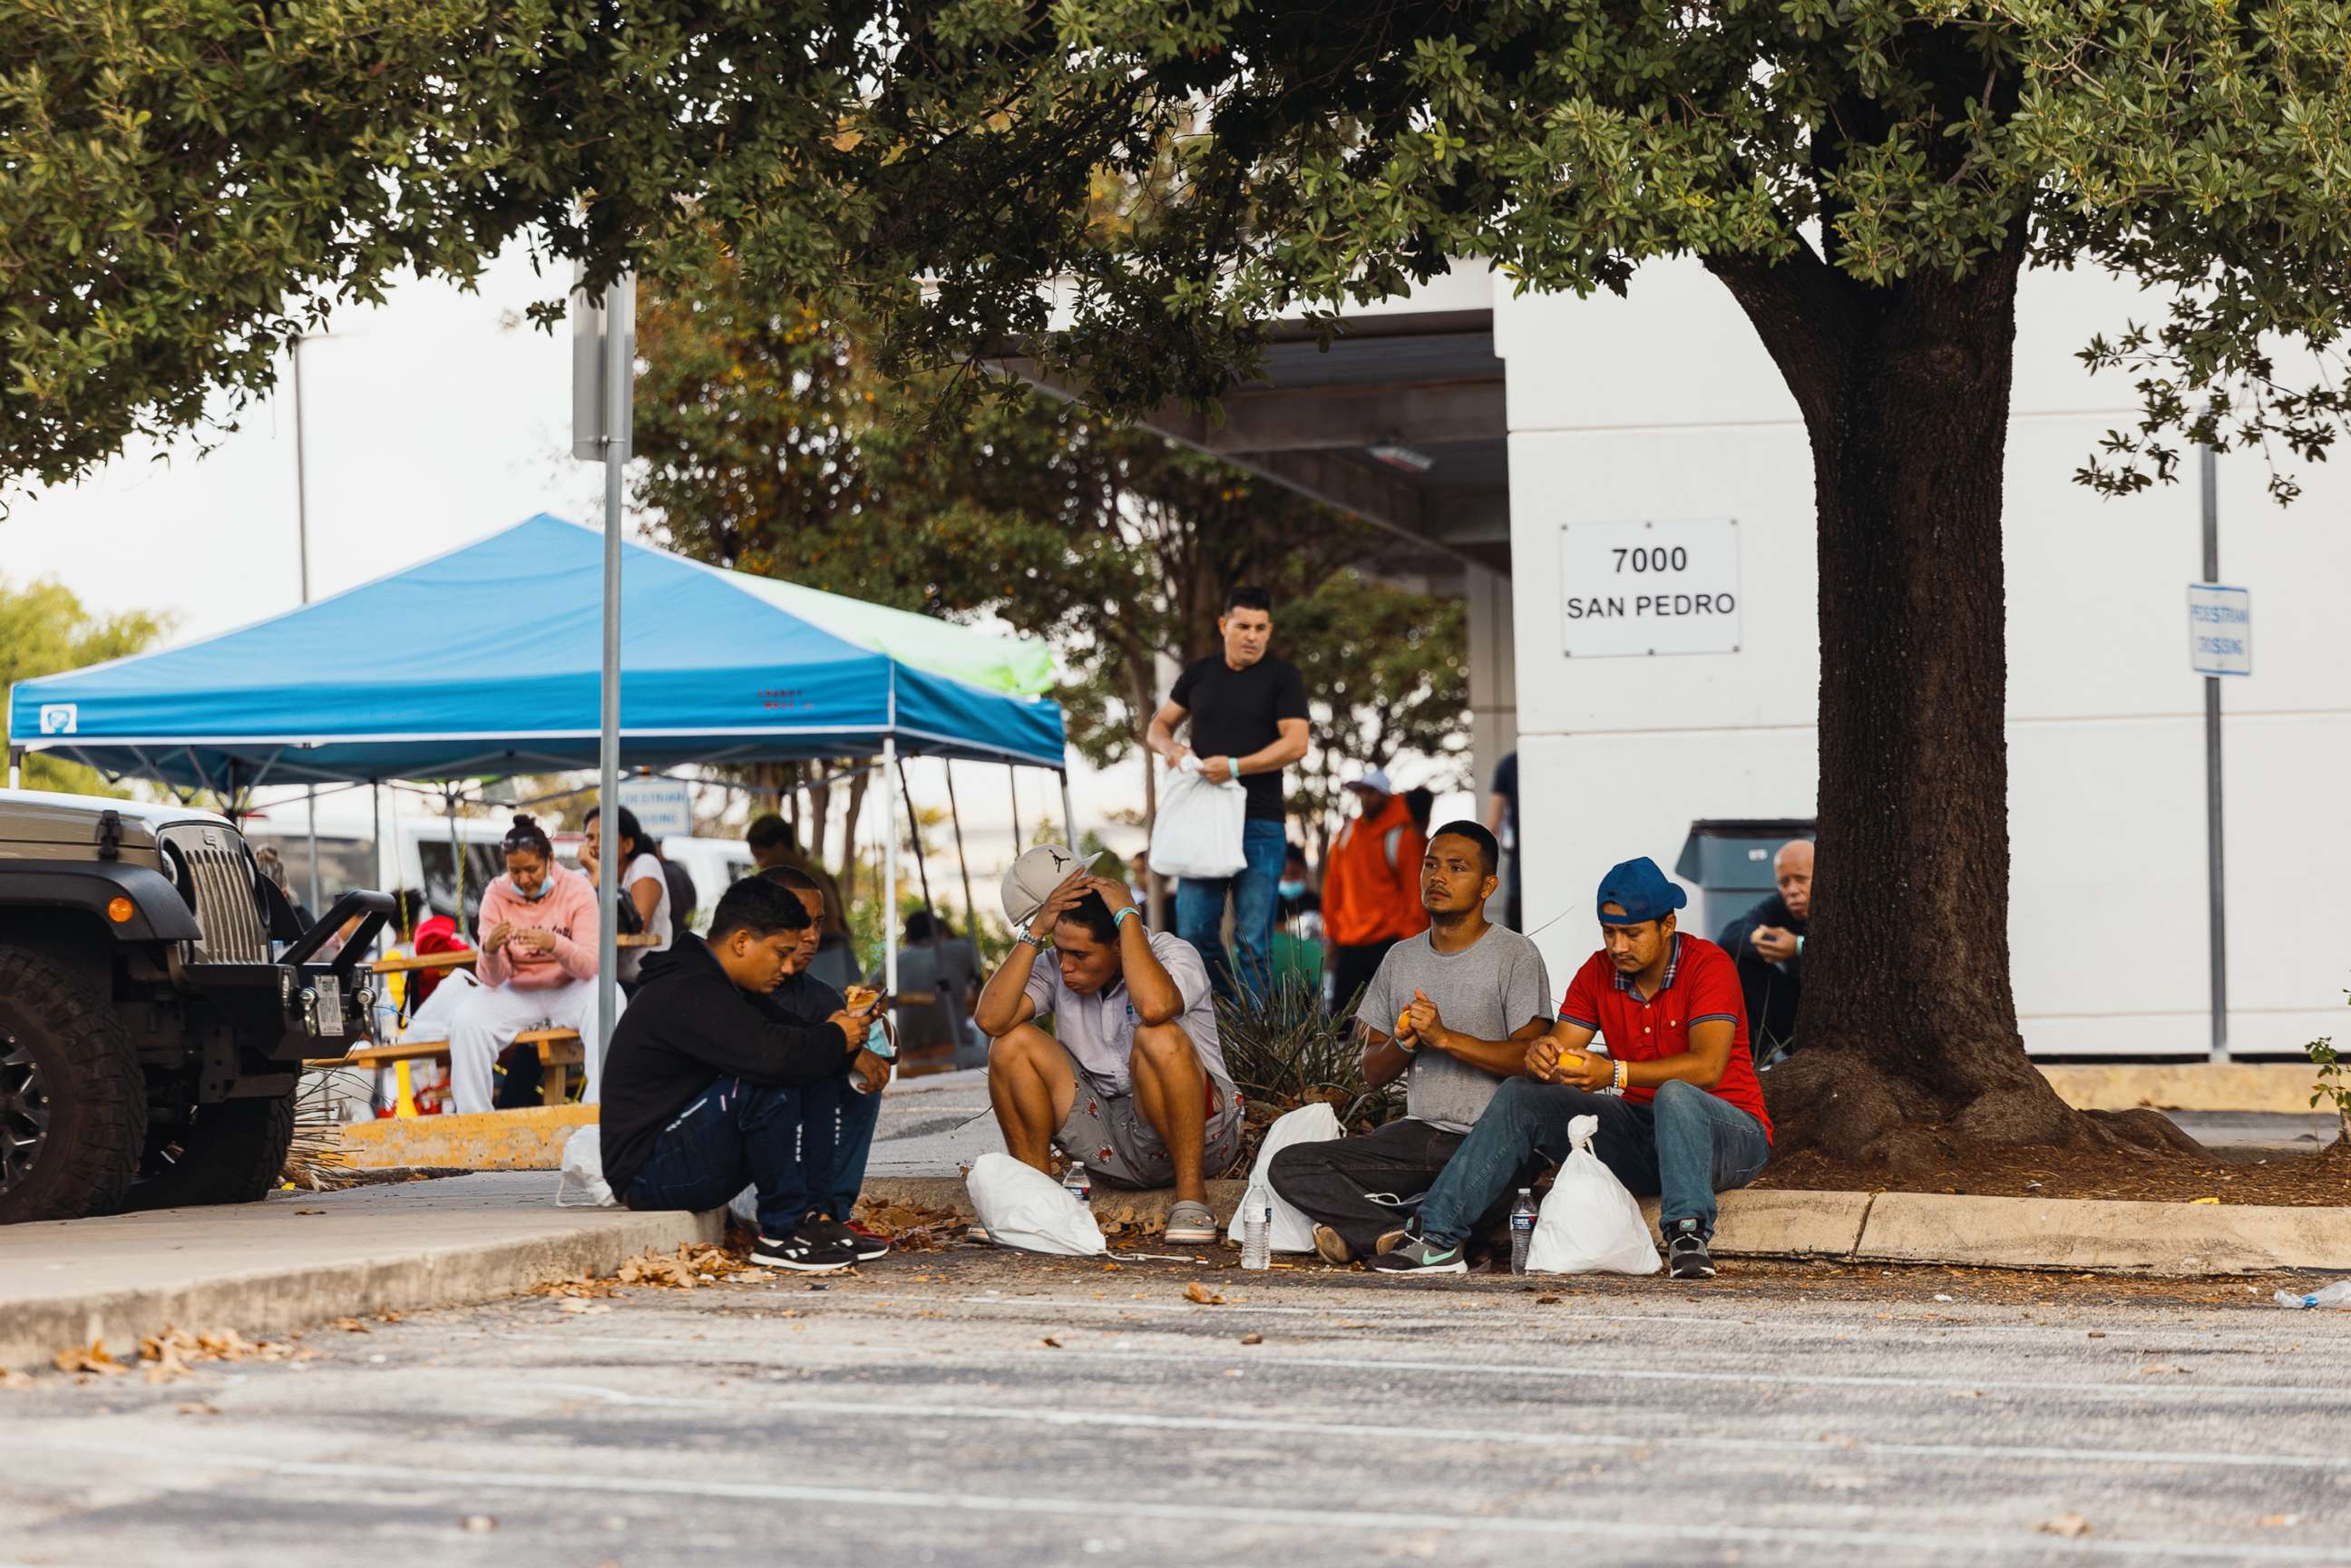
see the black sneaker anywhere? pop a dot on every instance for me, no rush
(811, 1250)
(1416, 1255)
(1687, 1256)
(860, 1240)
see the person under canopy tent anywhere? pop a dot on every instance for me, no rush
(718, 667)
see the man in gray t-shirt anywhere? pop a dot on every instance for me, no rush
(1450, 1010)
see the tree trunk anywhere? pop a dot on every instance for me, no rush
(1907, 1019)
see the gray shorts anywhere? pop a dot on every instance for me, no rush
(1107, 1133)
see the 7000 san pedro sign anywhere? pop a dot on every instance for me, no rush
(1649, 587)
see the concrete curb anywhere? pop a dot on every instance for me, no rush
(2275, 1088)
(2073, 1235)
(120, 1278)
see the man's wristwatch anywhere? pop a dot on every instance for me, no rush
(1040, 943)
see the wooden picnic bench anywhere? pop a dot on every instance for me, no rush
(559, 1050)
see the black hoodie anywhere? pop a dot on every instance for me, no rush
(688, 1026)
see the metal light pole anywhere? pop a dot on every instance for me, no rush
(2207, 464)
(302, 556)
(604, 378)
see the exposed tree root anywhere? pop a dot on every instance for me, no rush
(1846, 1107)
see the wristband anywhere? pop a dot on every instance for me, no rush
(1119, 920)
(1235, 764)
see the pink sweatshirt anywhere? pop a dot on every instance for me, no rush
(566, 909)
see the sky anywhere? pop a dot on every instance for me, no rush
(435, 419)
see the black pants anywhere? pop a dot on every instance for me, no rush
(1331, 1183)
(1771, 994)
(1352, 969)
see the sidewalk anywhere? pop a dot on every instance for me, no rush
(300, 1258)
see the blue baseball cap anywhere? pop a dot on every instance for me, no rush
(1639, 889)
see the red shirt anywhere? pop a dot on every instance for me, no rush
(1702, 983)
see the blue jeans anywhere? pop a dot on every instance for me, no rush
(1682, 1148)
(735, 1134)
(850, 1118)
(1256, 893)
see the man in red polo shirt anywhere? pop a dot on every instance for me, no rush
(1681, 1113)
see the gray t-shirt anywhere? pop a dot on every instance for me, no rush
(1099, 1030)
(1491, 990)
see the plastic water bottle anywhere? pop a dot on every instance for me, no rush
(2338, 1294)
(1256, 1228)
(1522, 1229)
(1077, 1184)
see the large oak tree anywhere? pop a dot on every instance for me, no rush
(182, 181)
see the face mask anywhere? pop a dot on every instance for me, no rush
(1291, 889)
(544, 882)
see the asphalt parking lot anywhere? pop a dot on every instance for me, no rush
(974, 1406)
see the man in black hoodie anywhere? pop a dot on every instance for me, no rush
(707, 1092)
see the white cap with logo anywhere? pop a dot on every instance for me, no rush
(1032, 878)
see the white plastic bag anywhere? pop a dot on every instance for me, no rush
(583, 1184)
(1024, 1207)
(1199, 833)
(1293, 1231)
(1589, 1224)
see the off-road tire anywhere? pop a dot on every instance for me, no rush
(234, 1152)
(63, 1055)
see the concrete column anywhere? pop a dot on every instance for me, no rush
(1493, 674)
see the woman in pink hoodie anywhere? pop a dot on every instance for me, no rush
(538, 970)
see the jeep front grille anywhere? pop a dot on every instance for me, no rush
(221, 882)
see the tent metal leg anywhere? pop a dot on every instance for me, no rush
(456, 854)
(311, 817)
(963, 861)
(15, 768)
(1019, 840)
(890, 869)
(375, 848)
(1069, 813)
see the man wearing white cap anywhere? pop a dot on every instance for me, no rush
(1371, 885)
(1132, 1082)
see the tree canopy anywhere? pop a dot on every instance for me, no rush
(184, 184)
(773, 444)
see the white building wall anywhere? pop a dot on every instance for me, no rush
(1664, 406)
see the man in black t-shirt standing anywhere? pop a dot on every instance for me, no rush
(1248, 710)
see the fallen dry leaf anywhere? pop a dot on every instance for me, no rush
(309, 1211)
(2067, 1524)
(1050, 1342)
(479, 1524)
(92, 1358)
(2204, 1200)
(2097, 1333)
(2162, 1369)
(1201, 1293)
(197, 1409)
(14, 1379)
(1252, 1339)
(1546, 1300)
(349, 1325)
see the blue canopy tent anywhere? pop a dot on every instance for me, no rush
(486, 662)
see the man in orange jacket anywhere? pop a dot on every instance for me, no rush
(1371, 885)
